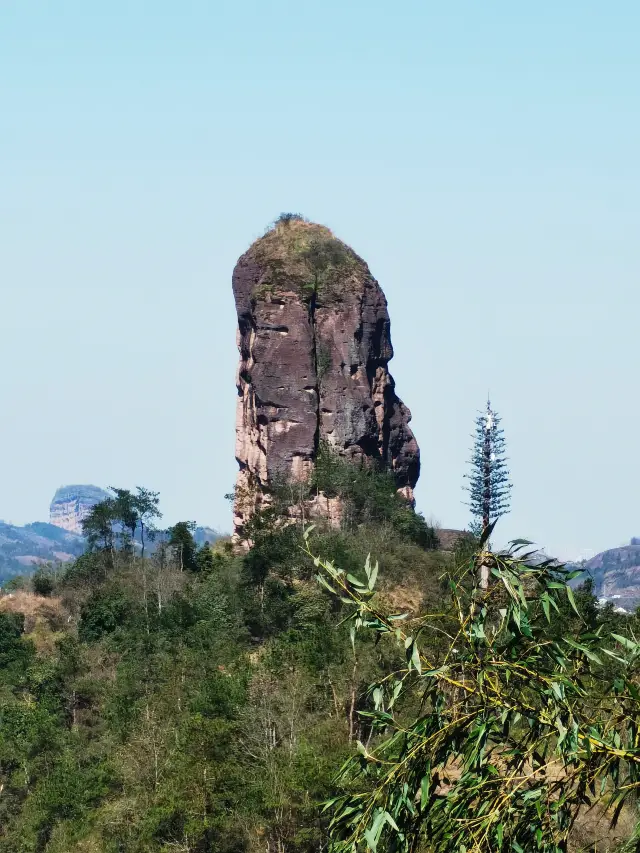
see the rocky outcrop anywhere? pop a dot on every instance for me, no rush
(616, 575)
(72, 504)
(314, 341)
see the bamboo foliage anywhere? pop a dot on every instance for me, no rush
(502, 740)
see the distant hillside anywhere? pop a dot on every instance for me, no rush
(22, 549)
(616, 574)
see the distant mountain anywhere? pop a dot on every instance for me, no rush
(616, 574)
(23, 549)
(72, 504)
(205, 534)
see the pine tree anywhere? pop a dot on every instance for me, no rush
(489, 487)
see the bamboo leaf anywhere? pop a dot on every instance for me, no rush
(374, 576)
(626, 642)
(415, 659)
(572, 600)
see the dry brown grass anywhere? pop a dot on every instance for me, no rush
(406, 597)
(44, 618)
(592, 831)
(284, 252)
(288, 240)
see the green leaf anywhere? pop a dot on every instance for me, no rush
(324, 583)
(415, 659)
(626, 642)
(574, 574)
(572, 600)
(486, 534)
(424, 790)
(584, 649)
(558, 689)
(391, 821)
(545, 606)
(615, 657)
(371, 840)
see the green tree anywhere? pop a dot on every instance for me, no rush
(98, 525)
(489, 485)
(42, 582)
(181, 538)
(206, 560)
(146, 506)
(136, 512)
(499, 742)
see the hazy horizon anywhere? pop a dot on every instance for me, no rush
(482, 160)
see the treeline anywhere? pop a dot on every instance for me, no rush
(203, 699)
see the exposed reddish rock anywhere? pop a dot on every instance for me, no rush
(314, 341)
(448, 538)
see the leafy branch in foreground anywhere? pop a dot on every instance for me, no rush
(503, 740)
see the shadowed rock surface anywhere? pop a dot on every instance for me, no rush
(314, 341)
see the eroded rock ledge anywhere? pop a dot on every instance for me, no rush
(314, 341)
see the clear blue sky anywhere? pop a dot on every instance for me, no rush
(482, 157)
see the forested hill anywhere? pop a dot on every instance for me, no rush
(22, 549)
(198, 699)
(203, 698)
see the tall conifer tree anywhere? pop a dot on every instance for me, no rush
(489, 486)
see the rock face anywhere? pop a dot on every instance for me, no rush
(616, 574)
(71, 504)
(314, 341)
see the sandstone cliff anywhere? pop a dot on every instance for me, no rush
(72, 504)
(314, 341)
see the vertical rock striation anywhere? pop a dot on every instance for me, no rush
(72, 504)
(314, 341)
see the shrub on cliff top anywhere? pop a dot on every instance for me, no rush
(305, 257)
(288, 218)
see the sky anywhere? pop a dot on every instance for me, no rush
(482, 157)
